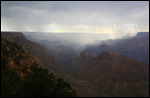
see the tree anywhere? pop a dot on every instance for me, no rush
(38, 82)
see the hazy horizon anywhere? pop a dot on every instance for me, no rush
(78, 41)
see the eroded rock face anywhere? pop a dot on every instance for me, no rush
(117, 74)
(136, 47)
(34, 49)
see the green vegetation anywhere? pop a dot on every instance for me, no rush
(21, 80)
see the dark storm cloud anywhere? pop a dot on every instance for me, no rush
(82, 16)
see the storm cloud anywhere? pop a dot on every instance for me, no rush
(112, 17)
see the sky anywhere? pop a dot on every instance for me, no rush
(116, 18)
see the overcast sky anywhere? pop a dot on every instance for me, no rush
(111, 17)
